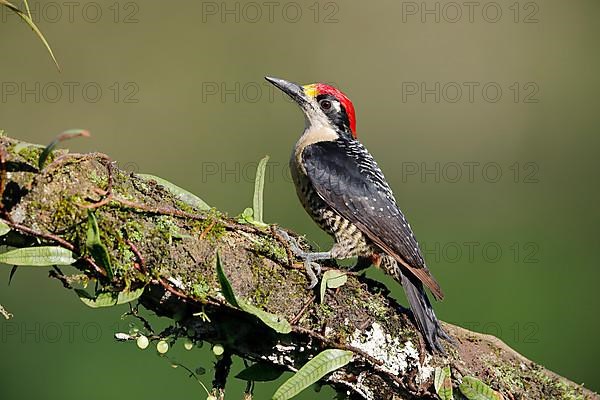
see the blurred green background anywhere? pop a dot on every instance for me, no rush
(485, 121)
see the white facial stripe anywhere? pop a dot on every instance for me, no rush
(315, 117)
(336, 105)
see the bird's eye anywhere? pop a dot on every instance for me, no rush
(325, 105)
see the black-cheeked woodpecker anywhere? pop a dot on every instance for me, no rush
(342, 188)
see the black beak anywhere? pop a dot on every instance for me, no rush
(295, 91)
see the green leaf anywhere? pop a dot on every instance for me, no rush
(41, 256)
(27, 8)
(13, 270)
(247, 217)
(474, 389)
(247, 214)
(108, 299)
(259, 186)
(325, 362)
(95, 247)
(105, 299)
(4, 229)
(332, 279)
(130, 295)
(19, 147)
(225, 285)
(66, 135)
(322, 289)
(260, 372)
(32, 25)
(443, 383)
(276, 322)
(181, 194)
(335, 278)
(273, 321)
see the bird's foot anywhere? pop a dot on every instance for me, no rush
(313, 269)
(292, 242)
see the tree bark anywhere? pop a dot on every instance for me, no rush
(159, 242)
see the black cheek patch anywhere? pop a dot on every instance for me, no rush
(339, 119)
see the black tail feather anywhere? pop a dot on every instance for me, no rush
(423, 313)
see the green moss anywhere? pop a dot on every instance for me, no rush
(530, 380)
(216, 232)
(134, 231)
(100, 181)
(36, 205)
(325, 311)
(183, 206)
(142, 185)
(114, 235)
(556, 388)
(267, 293)
(66, 212)
(377, 308)
(506, 376)
(165, 227)
(262, 293)
(201, 289)
(30, 153)
(212, 228)
(271, 249)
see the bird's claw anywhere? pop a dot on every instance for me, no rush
(293, 243)
(313, 270)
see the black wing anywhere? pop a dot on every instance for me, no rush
(348, 179)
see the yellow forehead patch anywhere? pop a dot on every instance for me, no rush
(310, 90)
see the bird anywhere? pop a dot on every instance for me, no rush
(345, 192)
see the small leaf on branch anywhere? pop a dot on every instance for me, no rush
(276, 322)
(108, 299)
(247, 217)
(95, 247)
(226, 288)
(322, 364)
(40, 256)
(20, 146)
(332, 279)
(105, 299)
(474, 389)
(260, 372)
(4, 229)
(180, 193)
(128, 296)
(443, 383)
(259, 186)
(69, 134)
(13, 270)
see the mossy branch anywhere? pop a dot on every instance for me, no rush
(158, 242)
